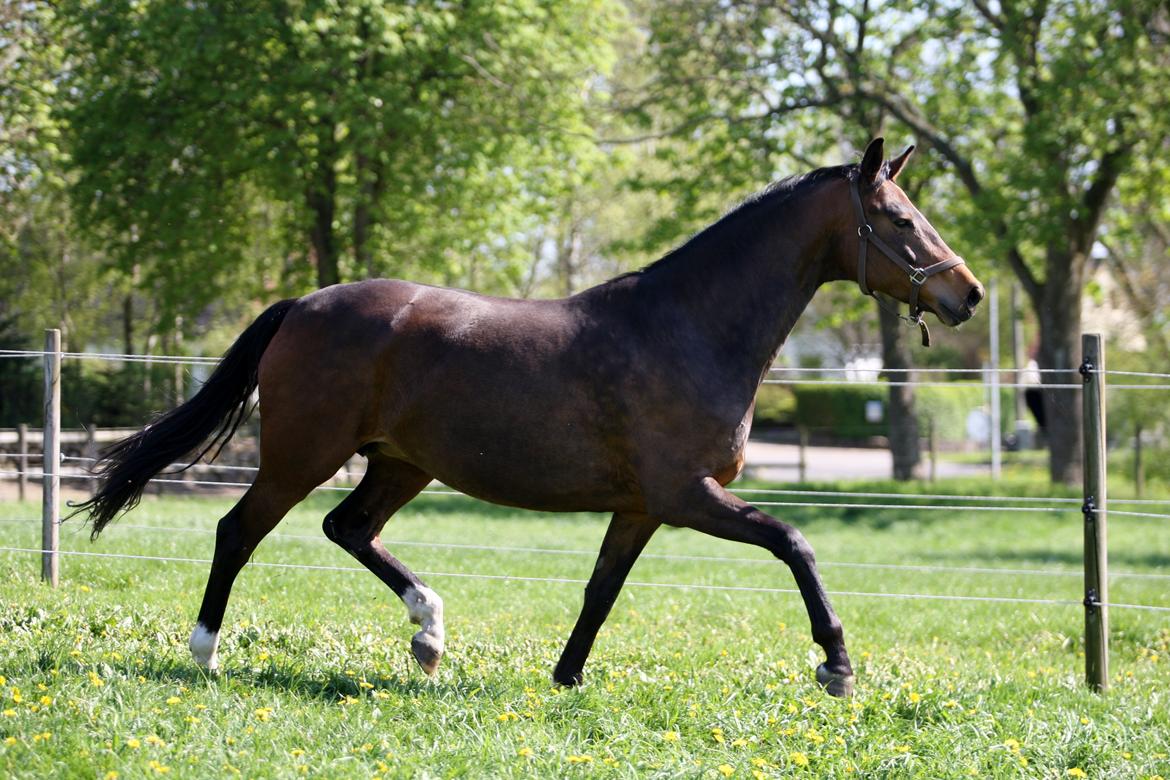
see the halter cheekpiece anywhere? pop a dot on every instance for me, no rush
(918, 276)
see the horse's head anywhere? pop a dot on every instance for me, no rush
(893, 249)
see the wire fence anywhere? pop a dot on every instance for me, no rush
(629, 583)
(764, 497)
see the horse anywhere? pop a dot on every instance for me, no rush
(634, 397)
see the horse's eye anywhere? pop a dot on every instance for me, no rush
(902, 222)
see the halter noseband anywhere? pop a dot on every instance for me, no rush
(918, 276)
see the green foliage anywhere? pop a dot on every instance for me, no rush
(839, 410)
(371, 137)
(775, 405)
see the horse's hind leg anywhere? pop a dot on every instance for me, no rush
(355, 525)
(241, 529)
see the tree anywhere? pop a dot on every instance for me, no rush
(376, 136)
(1038, 108)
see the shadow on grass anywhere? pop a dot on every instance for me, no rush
(330, 687)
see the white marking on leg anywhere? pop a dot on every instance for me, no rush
(204, 644)
(426, 609)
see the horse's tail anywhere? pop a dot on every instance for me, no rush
(219, 408)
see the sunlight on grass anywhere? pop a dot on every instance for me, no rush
(318, 679)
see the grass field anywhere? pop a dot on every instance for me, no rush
(317, 679)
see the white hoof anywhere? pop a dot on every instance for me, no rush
(426, 609)
(203, 644)
(839, 685)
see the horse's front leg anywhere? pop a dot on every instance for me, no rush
(624, 541)
(709, 508)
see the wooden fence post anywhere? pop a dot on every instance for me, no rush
(51, 464)
(22, 449)
(1139, 470)
(1094, 510)
(802, 454)
(932, 440)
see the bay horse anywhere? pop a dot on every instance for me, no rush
(634, 397)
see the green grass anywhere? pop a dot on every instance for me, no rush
(318, 679)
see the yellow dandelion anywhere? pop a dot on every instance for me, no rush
(670, 736)
(1012, 745)
(1084, 722)
(46, 701)
(44, 736)
(95, 680)
(296, 752)
(901, 748)
(133, 743)
(10, 713)
(160, 768)
(16, 697)
(758, 775)
(1076, 771)
(10, 741)
(610, 761)
(155, 740)
(727, 770)
(262, 713)
(914, 698)
(525, 752)
(111, 775)
(191, 719)
(173, 700)
(581, 759)
(799, 759)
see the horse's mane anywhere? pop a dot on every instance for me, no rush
(751, 206)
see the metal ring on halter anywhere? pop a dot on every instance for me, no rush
(864, 230)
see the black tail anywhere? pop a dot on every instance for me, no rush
(219, 408)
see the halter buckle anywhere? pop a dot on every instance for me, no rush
(917, 277)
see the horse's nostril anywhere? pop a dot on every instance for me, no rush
(975, 296)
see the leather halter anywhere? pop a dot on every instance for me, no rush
(918, 276)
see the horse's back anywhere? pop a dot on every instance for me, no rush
(511, 400)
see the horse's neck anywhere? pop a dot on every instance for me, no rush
(747, 288)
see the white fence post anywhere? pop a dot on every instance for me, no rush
(51, 465)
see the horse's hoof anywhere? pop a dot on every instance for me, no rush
(567, 679)
(427, 650)
(204, 645)
(839, 685)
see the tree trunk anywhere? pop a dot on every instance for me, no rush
(369, 175)
(569, 256)
(905, 446)
(128, 324)
(322, 202)
(1060, 326)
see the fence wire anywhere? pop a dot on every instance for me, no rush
(635, 584)
(392, 543)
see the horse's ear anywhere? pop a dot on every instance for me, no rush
(871, 161)
(895, 166)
